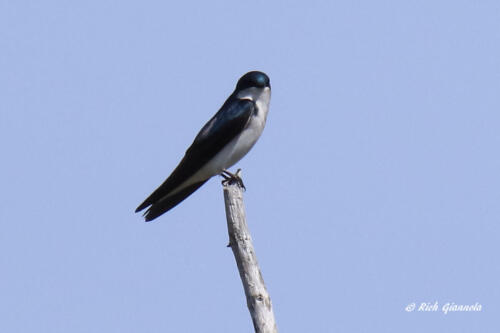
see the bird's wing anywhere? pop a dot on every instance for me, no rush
(227, 123)
(221, 129)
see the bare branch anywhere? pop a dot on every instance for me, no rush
(240, 241)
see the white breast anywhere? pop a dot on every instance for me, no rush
(241, 144)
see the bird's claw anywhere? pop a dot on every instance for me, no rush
(232, 178)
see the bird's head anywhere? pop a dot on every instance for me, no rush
(253, 79)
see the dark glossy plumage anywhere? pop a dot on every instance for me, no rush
(228, 122)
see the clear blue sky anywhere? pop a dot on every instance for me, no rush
(376, 182)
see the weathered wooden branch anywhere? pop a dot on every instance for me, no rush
(240, 241)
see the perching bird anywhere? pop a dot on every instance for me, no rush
(222, 142)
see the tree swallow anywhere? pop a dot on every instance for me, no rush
(222, 142)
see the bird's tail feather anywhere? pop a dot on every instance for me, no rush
(169, 202)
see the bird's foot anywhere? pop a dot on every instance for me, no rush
(231, 178)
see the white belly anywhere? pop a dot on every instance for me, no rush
(228, 156)
(236, 148)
